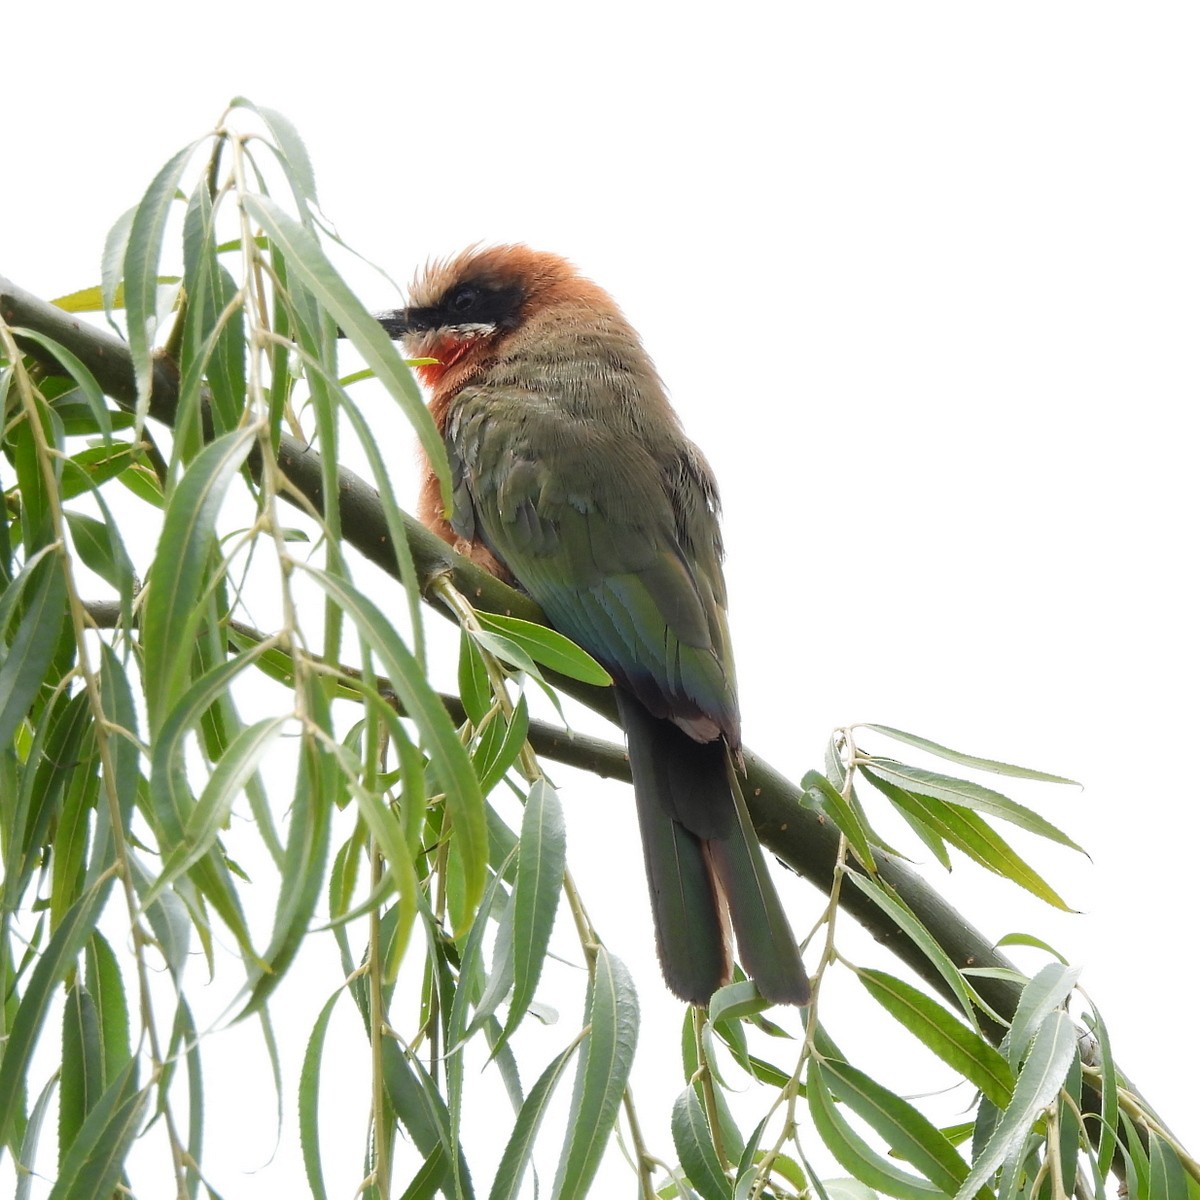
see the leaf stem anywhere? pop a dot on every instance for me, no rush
(379, 1104)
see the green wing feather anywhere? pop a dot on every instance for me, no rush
(617, 544)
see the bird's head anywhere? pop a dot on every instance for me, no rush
(460, 309)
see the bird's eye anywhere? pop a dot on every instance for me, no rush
(463, 299)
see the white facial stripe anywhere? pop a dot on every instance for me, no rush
(471, 329)
(424, 343)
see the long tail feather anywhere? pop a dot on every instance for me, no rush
(689, 925)
(766, 947)
(704, 864)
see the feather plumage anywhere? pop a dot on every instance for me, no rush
(573, 476)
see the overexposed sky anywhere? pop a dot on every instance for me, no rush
(922, 280)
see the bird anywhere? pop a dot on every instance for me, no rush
(574, 481)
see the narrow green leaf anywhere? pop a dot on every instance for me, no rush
(221, 723)
(100, 547)
(1107, 1145)
(169, 919)
(425, 1183)
(835, 772)
(517, 1152)
(71, 835)
(1070, 1131)
(990, 765)
(310, 1091)
(474, 687)
(117, 700)
(178, 575)
(373, 900)
(548, 647)
(731, 1135)
(307, 261)
(86, 471)
(769, 1073)
(500, 980)
(504, 742)
(318, 789)
(51, 966)
(1008, 974)
(379, 459)
(1046, 991)
(470, 980)
(416, 1100)
(63, 746)
(612, 1011)
(170, 786)
(1168, 1179)
(908, 1133)
(82, 1070)
(976, 1060)
(389, 836)
(113, 562)
(112, 260)
(141, 255)
(84, 379)
(10, 522)
(733, 1033)
(271, 1046)
(1029, 939)
(212, 810)
(708, 1040)
(35, 641)
(78, 420)
(846, 1189)
(694, 1145)
(928, 835)
(498, 645)
(540, 864)
(831, 802)
(185, 1047)
(746, 1177)
(107, 989)
(885, 898)
(1136, 1160)
(464, 800)
(213, 346)
(849, 1148)
(292, 152)
(30, 1139)
(735, 1001)
(1037, 1085)
(23, 451)
(971, 834)
(411, 781)
(92, 1167)
(967, 794)
(144, 484)
(958, 1133)
(82, 300)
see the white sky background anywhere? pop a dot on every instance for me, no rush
(922, 281)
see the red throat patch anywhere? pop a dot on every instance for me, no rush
(447, 351)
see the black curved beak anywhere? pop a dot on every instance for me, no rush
(401, 321)
(396, 323)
